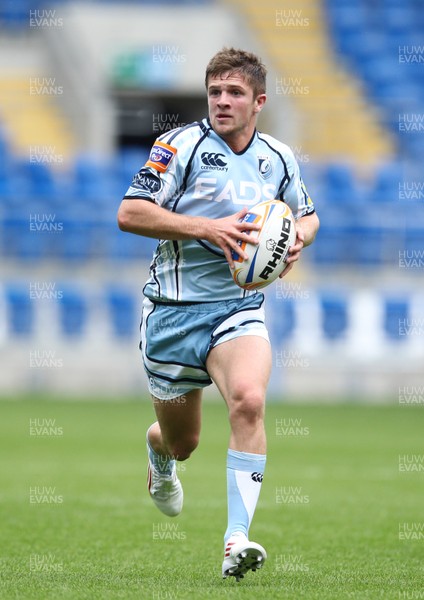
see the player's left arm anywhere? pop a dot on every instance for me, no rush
(306, 230)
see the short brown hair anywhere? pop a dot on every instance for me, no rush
(247, 64)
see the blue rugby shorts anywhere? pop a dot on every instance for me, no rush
(177, 337)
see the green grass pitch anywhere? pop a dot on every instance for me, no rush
(341, 512)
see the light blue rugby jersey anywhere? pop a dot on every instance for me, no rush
(191, 170)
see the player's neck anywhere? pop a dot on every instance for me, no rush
(238, 142)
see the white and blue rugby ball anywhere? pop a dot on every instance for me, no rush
(266, 260)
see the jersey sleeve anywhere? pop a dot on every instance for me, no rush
(160, 178)
(293, 190)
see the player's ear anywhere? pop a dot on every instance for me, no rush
(259, 102)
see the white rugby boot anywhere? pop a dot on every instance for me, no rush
(165, 490)
(241, 556)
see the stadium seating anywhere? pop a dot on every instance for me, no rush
(67, 217)
(334, 316)
(73, 310)
(77, 244)
(283, 327)
(385, 185)
(14, 14)
(119, 246)
(380, 44)
(45, 214)
(21, 243)
(19, 310)
(82, 201)
(124, 311)
(340, 184)
(395, 317)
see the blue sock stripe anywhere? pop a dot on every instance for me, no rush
(238, 519)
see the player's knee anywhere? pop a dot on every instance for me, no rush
(182, 448)
(247, 404)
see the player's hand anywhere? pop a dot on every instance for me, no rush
(225, 233)
(294, 251)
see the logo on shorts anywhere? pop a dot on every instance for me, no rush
(258, 477)
(214, 161)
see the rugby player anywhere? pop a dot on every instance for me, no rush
(198, 326)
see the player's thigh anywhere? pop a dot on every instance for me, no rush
(180, 418)
(240, 368)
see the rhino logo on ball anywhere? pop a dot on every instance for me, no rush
(270, 244)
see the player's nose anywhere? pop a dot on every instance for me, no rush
(224, 99)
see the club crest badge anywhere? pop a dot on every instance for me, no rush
(265, 167)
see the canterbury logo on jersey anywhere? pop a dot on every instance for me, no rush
(258, 477)
(214, 161)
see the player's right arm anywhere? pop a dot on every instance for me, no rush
(148, 207)
(144, 217)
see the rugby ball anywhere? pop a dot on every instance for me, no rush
(266, 260)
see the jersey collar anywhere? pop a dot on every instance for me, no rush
(249, 143)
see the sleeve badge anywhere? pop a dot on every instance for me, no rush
(161, 156)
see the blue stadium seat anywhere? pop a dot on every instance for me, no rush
(413, 144)
(397, 97)
(14, 188)
(347, 17)
(73, 311)
(368, 244)
(385, 187)
(76, 243)
(333, 246)
(414, 243)
(93, 180)
(396, 20)
(282, 313)
(395, 318)
(127, 163)
(40, 180)
(123, 246)
(123, 311)
(14, 14)
(340, 184)
(20, 309)
(23, 237)
(6, 189)
(388, 4)
(334, 316)
(361, 47)
(379, 69)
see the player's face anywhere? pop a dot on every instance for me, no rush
(233, 109)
